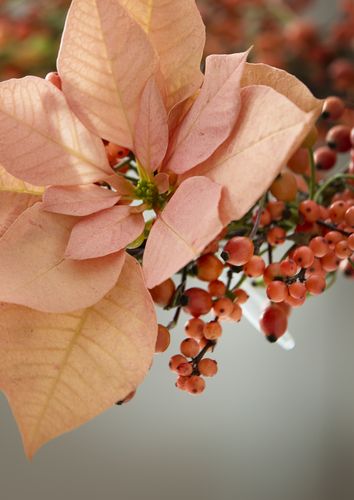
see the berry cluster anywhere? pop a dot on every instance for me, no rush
(304, 211)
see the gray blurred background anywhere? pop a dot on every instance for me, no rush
(272, 425)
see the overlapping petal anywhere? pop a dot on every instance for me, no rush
(183, 229)
(269, 129)
(104, 233)
(60, 370)
(104, 62)
(78, 200)
(55, 148)
(34, 272)
(177, 33)
(212, 116)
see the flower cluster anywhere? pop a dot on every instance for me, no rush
(130, 165)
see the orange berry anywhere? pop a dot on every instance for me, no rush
(284, 188)
(255, 266)
(163, 339)
(276, 291)
(223, 307)
(240, 295)
(276, 236)
(209, 267)
(212, 330)
(208, 367)
(189, 347)
(175, 361)
(297, 290)
(162, 294)
(236, 313)
(238, 250)
(195, 384)
(194, 328)
(217, 288)
(199, 302)
(303, 256)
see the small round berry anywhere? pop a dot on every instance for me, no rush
(276, 291)
(284, 188)
(163, 339)
(184, 369)
(208, 367)
(315, 284)
(195, 384)
(212, 330)
(236, 313)
(175, 361)
(265, 218)
(199, 302)
(238, 250)
(293, 302)
(349, 216)
(181, 382)
(297, 290)
(351, 242)
(276, 209)
(217, 288)
(223, 307)
(303, 256)
(189, 347)
(194, 328)
(325, 158)
(338, 138)
(330, 262)
(254, 267)
(319, 246)
(333, 237)
(273, 323)
(209, 267)
(333, 108)
(310, 210)
(337, 211)
(299, 163)
(288, 267)
(276, 236)
(241, 296)
(342, 249)
(162, 294)
(272, 271)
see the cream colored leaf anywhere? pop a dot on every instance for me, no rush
(11, 207)
(177, 32)
(59, 371)
(42, 141)
(104, 62)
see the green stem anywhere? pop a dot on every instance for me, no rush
(312, 180)
(329, 182)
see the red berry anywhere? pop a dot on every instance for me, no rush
(349, 216)
(342, 249)
(297, 290)
(184, 369)
(212, 330)
(271, 272)
(276, 291)
(315, 284)
(310, 210)
(273, 323)
(208, 367)
(333, 108)
(299, 163)
(337, 210)
(303, 256)
(330, 262)
(163, 339)
(238, 250)
(288, 267)
(276, 209)
(325, 158)
(217, 288)
(195, 384)
(338, 138)
(276, 236)
(284, 188)
(333, 237)
(176, 360)
(223, 307)
(194, 328)
(240, 295)
(209, 267)
(189, 347)
(198, 302)
(319, 246)
(236, 313)
(162, 294)
(254, 267)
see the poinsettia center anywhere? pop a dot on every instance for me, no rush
(147, 191)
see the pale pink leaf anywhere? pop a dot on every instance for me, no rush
(283, 82)
(104, 62)
(151, 134)
(122, 186)
(162, 182)
(104, 233)
(60, 370)
(78, 200)
(183, 229)
(213, 115)
(34, 272)
(178, 35)
(11, 184)
(42, 141)
(11, 207)
(269, 130)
